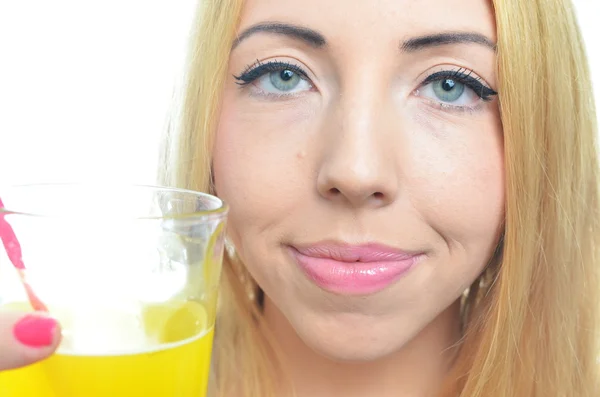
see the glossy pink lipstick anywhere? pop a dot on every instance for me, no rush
(353, 269)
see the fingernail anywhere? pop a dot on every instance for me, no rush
(35, 331)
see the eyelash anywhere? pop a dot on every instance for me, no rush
(259, 69)
(461, 75)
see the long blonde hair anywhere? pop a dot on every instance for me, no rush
(531, 328)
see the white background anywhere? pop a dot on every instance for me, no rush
(85, 87)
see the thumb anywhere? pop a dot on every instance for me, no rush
(26, 338)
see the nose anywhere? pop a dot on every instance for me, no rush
(359, 166)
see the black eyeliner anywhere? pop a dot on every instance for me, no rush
(482, 91)
(259, 69)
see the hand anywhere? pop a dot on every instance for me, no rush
(26, 338)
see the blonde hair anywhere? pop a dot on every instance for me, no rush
(531, 328)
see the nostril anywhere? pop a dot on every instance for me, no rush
(378, 195)
(334, 191)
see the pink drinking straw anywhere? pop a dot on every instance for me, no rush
(13, 250)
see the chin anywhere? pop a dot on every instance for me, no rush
(352, 354)
(349, 338)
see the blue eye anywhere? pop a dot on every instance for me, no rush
(456, 89)
(276, 78)
(448, 90)
(285, 80)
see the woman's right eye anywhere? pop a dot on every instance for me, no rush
(276, 78)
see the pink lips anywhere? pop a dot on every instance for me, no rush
(351, 269)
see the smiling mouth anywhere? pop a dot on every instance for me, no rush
(353, 269)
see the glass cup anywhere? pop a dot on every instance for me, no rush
(131, 273)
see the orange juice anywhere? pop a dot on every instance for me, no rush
(173, 361)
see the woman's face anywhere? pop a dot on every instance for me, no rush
(360, 150)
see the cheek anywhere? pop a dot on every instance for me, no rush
(458, 181)
(259, 165)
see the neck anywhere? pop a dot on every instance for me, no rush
(416, 370)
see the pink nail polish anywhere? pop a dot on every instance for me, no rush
(35, 331)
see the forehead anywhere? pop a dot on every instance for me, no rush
(375, 21)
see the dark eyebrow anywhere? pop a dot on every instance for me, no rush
(309, 36)
(436, 40)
